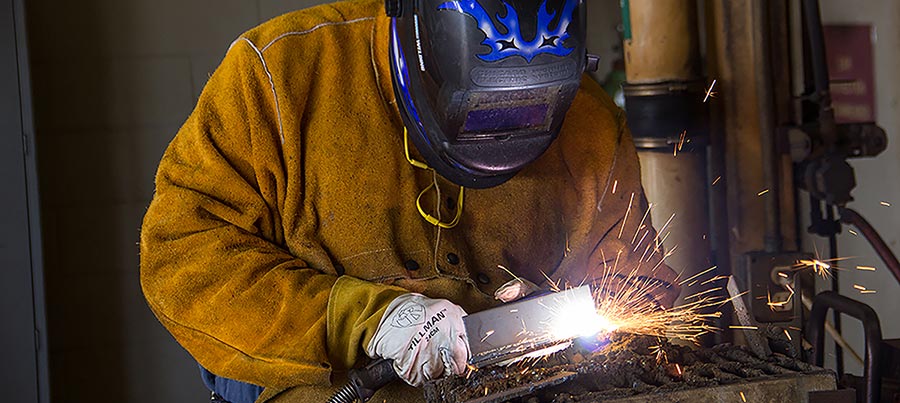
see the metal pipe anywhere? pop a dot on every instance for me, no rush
(733, 51)
(838, 338)
(664, 41)
(871, 327)
(668, 120)
(819, 64)
(765, 101)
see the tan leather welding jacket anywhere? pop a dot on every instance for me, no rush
(284, 219)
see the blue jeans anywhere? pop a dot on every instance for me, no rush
(233, 391)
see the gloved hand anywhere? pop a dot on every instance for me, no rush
(425, 337)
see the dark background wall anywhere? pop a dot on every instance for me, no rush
(113, 81)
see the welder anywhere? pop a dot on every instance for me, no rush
(357, 169)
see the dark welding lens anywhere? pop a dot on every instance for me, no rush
(490, 121)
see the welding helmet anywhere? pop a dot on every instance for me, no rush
(483, 85)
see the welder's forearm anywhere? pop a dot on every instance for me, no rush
(243, 307)
(215, 267)
(355, 309)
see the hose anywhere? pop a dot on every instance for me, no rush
(364, 382)
(346, 394)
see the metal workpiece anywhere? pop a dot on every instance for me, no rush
(512, 331)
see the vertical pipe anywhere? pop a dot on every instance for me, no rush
(664, 44)
(819, 66)
(667, 116)
(765, 100)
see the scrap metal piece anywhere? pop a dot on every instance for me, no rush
(517, 329)
(755, 339)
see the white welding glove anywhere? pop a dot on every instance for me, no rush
(425, 337)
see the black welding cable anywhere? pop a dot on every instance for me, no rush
(362, 383)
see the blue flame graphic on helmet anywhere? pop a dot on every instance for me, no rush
(546, 40)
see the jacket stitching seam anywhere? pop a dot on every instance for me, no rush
(315, 28)
(271, 83)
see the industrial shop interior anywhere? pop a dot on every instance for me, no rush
(464, 201)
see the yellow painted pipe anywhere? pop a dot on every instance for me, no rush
(664, 43)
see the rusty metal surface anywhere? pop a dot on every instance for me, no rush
(631, 369)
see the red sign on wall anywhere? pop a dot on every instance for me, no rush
(851, 67)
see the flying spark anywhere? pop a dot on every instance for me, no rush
(698, 275)
(680, 143)
(627, 213)
(624, 303)
(743, 398)
(661, 356)
(709, 92)
(823, 268)
(714, 279)
(865, 268)
(763, 192)
(716, 181)
(885, 204)
(624, 296)
(743, 327)
(819, 267)
(854, 233)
